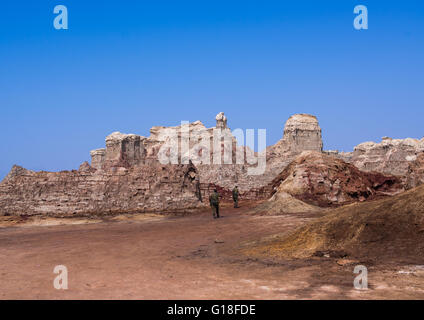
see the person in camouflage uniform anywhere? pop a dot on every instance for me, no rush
(235, 197)
(214, 202)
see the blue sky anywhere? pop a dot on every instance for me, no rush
(129, 65)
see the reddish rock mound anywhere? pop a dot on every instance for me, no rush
(324, 180)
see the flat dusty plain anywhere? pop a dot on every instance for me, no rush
(150, 256)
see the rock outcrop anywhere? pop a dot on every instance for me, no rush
(98, 158)
(390, 156)
(16, 171)
(175, 168)
(415, 173)
(301, 133)
(322, 180)
(142, 188)
(194, 142)
(221, 120)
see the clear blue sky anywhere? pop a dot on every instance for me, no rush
(129, 65)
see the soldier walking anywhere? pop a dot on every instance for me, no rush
(214, 202)
(235, 197)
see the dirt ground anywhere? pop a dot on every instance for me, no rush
(181, 257)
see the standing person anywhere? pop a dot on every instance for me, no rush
(214, 202)
(235, 197)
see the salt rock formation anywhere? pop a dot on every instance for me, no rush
(323, 180)
(89, 191)
(124, 149)
(302, 132)
(415, 175)
(221, 120)
(126, 176)
(178, 144)
(98, 157)
(173, 169)
(15, 172)
(129, 174)
(390, 156)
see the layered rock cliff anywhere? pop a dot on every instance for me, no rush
(194, 142)
(90, 191)
(176, 168)
(400, 157)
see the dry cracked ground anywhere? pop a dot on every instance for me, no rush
(181, 257)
